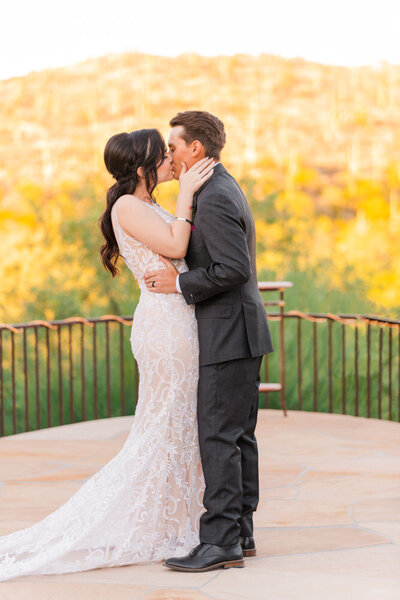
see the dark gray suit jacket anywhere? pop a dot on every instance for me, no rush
(222, 276)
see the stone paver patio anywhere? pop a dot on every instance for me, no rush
(328, 524)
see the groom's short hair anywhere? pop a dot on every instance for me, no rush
(203, 126)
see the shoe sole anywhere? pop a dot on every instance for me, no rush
(238, 564)
(248, 553)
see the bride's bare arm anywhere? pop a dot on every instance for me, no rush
(143, 223)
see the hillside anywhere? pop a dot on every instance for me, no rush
(54, 123)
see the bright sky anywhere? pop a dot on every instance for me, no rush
(47, 33)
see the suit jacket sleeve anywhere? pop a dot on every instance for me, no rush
(224, 235)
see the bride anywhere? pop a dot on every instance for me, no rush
(145, 504)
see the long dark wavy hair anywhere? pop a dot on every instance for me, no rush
(123, 155)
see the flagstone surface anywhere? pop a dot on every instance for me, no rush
(328, 523)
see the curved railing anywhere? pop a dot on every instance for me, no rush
(77, 369)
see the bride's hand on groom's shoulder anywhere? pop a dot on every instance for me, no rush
(191, 180)
(162, 281)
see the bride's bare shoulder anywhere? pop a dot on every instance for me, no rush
(127, 204)
(128, 200)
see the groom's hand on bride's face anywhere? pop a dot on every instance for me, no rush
(164, 281)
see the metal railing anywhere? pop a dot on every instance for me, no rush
(352, 361)
(57, 372)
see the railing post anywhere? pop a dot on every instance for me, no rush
(95, 394)
(48, 377)
(398, 374)
(282, 351)
(266, 387)
(315, 367)
(330, 353)
(2, 425)
(299, 365)
(14, 398)
(26, 385)
(390, 375)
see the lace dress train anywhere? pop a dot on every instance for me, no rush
(144, 504)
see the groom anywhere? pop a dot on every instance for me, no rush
(233, 337)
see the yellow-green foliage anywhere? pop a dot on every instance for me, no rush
(316, 149)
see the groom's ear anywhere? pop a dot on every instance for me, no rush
(198, 150)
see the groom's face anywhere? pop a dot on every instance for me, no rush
(181, 151)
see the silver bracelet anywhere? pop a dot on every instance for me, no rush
(183, 219)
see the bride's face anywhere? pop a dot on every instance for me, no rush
(164, 171)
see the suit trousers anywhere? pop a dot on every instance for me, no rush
(227, 416)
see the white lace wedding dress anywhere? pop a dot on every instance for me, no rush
(145, 504)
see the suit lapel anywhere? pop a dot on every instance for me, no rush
(219, 168)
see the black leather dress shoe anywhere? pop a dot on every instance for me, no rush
(248, 546)
(206, 557)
